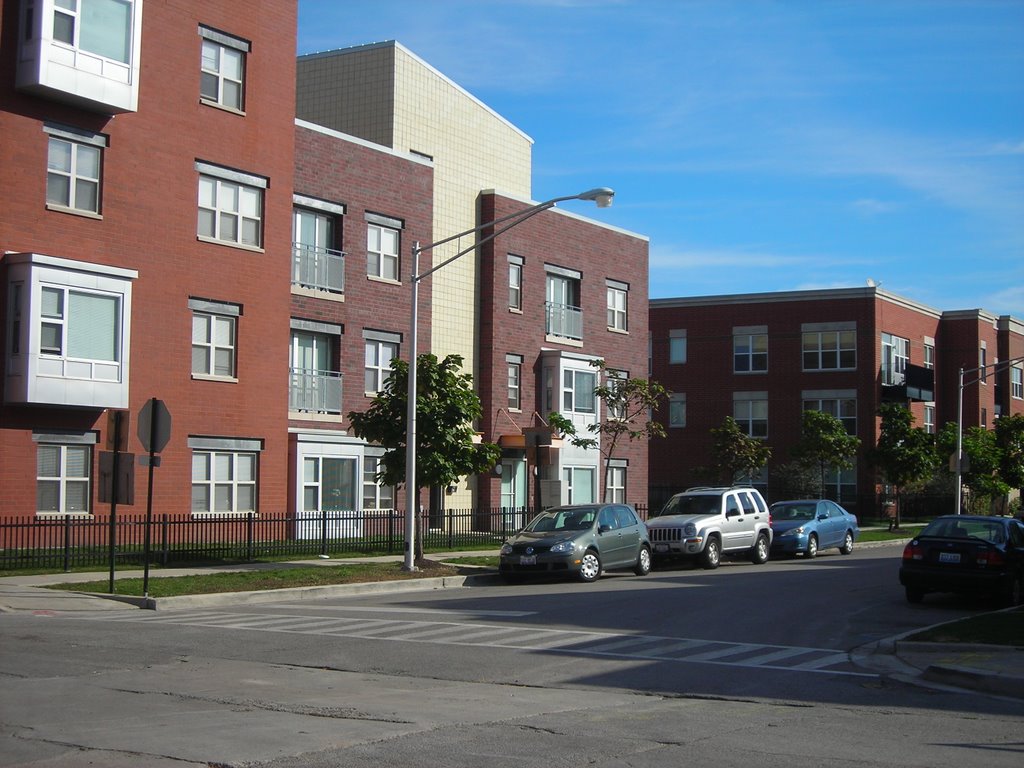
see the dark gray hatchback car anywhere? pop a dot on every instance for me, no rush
(581, 540)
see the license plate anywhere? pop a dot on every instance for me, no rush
(661, 547)
(949, 557)
(527, 559)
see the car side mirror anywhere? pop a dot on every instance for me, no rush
(603, 528)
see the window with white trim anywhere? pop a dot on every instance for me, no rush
(929, 419)
(100, 27)
(515, 381)
(830, 350)
(1017, 382)
(843, 408)
(63, 478)
(616, 408)
(929, 355)
(223, 481)
(222, 69)
(677, 346)
(578, 391)
(751, 414)
(376, 495)
(379, 354)
(213, 344)
(983, 364)
(515, 282)
(615, 485)
(895, 356)
(79, 324)
(382, 245)
(230, 206)
(74, 162)
(749, 351)
(579, 485)
(617, 305)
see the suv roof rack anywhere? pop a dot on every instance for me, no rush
(716, 487)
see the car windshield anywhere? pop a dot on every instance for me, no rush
(793, 511)
(563, 520)
(694, 504)
(950, 528)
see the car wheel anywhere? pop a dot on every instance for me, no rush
(812, 546)
(643, 562)
(590, 567)
(915, 595)
(847, 547)
(759, 554)
(712, 554)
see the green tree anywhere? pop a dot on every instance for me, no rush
(628, 405)
(825, 444)
(735, 455)
(994, 458)
(1010, 441)
(446, 407)
(905, 454)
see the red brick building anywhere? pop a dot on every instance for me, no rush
(765, 358)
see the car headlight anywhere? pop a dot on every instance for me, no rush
(506, 549)
(690, 529)
(563, 547)
(793, 531)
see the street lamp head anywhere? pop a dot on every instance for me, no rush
(601, 195)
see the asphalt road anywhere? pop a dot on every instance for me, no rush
(746, 664)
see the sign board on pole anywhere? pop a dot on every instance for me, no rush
(154, 425)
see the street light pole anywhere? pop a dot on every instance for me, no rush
(996, 367)
(601, 195)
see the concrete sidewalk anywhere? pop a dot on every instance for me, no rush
(993, 670)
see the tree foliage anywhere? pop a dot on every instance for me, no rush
(994, 458)
(904, 454)
(735, 455)
(825, 444)
(628, 405)
(446, 407)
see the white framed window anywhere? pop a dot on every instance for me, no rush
(677, 410)
(377, 368)
(382, 245)
(1017, 382)
(100, 27)
(618, 294)
(615, 484)
(929, 355)
(563, 306)
(677, 346)
(842, 407)
(213, 339)
(315, 379)
(929, 419)
(983, 364)
(579, 485)
(74, 162)
(223, 481)
(222, 69)
(63, 476)
(316, 263)
(751, 413)
(515, 282)
(749, 351)
(230, 206)
(79, 324)
(830, 350)
(375, 495)
(895, 356)
(578, 391)
(515, 381)
(614, 381)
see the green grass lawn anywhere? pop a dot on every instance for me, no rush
(1000, 628)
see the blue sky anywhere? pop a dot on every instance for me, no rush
(761, 145)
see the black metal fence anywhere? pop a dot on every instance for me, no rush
(64, 543)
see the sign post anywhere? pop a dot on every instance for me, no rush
(154, 432)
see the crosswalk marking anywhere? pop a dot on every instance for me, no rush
(562, 641)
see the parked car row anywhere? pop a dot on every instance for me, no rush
(701, 524)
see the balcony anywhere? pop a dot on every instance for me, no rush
(317, 268)
(564, 321)
(311, 391)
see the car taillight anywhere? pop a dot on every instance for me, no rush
(990, 557)
(913, 551)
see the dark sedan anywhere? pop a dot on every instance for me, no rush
(582, 540)
(974, 555)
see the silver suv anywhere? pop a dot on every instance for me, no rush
(705, 523)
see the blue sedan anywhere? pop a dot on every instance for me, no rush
(806, 527)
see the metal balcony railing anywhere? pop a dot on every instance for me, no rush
(319, 268)
(313, 391)
(564, 320)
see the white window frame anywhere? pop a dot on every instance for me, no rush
(929, 418)
(383, 245)
(515, 382)
(615, 378)
(983, 364)
(374, 494)
(221, 469)
(576, 394)
(842, 406)
(73, 12)
(75, 180)
(895, 358)
(676, 410)
(378, 354)
(615, 484)
(750, 411)
(213, 342)
(217, 51)
(66, 447)
(572, 486)
(749, 347)
(618, 306)
(1017, 382)
(677, 346)
(515, 283)
(817, 345)
(231, 205)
